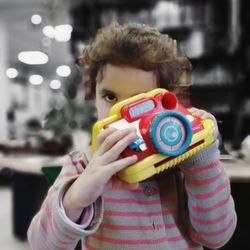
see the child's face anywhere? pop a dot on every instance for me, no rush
(119, 83)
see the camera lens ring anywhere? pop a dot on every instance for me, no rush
(171, 133)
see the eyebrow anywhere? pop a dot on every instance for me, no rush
(107, 91)
(110, 92)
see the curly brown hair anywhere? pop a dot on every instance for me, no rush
(134, 45)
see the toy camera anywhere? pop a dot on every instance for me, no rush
(167, 132)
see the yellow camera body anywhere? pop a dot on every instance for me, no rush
(167, 132)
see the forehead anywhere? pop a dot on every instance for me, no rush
(126, 80)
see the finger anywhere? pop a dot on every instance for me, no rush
(200, 113)
(119, 165)
(206, 115)
(113, 138)
(195, 112)
(192, 109)
(103, 135)
(113, 153)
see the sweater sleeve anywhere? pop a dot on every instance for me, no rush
(86, 216)
(211, 212)
(50, 229)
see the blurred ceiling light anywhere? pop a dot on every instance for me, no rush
(33, 57)
(167, 14)
(46, 42)
(63, 32)
(36, 79)
(36, 19)
(11, 73)
(49, 31)
(63, 70)
(55, 84)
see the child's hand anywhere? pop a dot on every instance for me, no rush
(99, 174)
(200, 113)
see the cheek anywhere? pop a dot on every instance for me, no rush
(103, 109)
(103, 114)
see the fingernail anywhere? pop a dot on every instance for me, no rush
(133, 157)
(133, 132)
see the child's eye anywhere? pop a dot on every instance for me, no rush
(110, 98)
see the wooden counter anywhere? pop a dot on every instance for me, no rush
(29, 163)
(237, 169)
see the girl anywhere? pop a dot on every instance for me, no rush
(186, 208)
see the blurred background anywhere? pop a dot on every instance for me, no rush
(42, 110)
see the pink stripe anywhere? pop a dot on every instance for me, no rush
(210, 194)
(136, 241)
(123, 227)
(129, 201)
(76, 162)
(46, 234)
(83, 164)
(68, 164)
(87, 246)
(51, 191)
(172, 198)
(118, 189)
(44, 227)
(170, 226)
(42, 241)
(48, 213)
(142, 214)
(58, 229)
(202, 168)
(212, 208)
(141, 191)
(134, 191)
(205, 181)
(33, 233)
(60, 248)
(133, 227)
(32, 225)
(175, 238)
(129, 242)
(53, 222)
(67, 174)
(211, 221)
(220, 231)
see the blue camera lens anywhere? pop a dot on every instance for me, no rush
(171, 133)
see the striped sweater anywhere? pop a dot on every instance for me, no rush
(188, 207)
